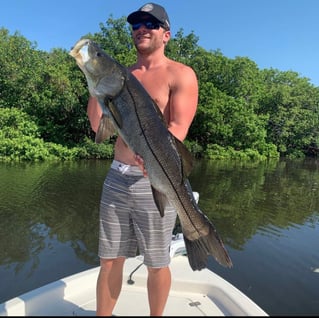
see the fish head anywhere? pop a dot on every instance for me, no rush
(105, 77)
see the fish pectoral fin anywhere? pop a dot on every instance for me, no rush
(106, 129)
(186, 157)
(115, 114)
(160, 200)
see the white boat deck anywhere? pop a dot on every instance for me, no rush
(199, 293)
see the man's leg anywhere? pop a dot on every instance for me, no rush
(109, 284)
(158, 285)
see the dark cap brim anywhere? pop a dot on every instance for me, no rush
(135, 17)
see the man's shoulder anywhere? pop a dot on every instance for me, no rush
(176, 64)
(177, 68)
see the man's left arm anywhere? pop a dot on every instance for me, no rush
(183, 103)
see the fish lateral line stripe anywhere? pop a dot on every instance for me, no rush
(145, 137)
(168, 177)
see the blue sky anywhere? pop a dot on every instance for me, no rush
(281, 34)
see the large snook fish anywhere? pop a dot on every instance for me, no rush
(138, 120)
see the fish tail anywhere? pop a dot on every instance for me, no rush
(199, 249)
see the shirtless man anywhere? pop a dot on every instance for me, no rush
(125, 221)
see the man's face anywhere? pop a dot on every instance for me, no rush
(149, 34)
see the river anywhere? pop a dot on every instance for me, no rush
(266, 213)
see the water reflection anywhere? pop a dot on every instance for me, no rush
(267, 215)
(49, 200)
(244, 199)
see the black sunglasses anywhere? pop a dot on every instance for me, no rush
(150, 25)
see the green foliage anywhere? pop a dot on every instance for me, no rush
(47, 86)
(115, 38)
(182, 48)
(293, 108)
(226, 121)
(194, 147)
(14, 123)
(19, 63)
(19, 140)
(243, 112)
(216, 152)
(60, 101)
(89, 150)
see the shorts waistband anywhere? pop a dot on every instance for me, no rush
(126, 169)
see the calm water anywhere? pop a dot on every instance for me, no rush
(267, 215)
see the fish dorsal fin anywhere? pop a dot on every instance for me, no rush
(186, 157)
(160, 200)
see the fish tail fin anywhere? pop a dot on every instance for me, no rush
(210, 244)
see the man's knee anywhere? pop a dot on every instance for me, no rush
(157, 270)
(107, 264)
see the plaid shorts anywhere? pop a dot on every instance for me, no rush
(130, 220)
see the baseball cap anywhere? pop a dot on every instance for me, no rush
(154, 10)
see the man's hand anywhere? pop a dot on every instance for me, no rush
(140, 162)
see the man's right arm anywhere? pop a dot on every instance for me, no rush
(94, 113)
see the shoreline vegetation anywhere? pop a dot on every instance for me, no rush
(244, 113)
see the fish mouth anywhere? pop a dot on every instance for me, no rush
(81, 51)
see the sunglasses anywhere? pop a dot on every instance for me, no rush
(150, 25)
